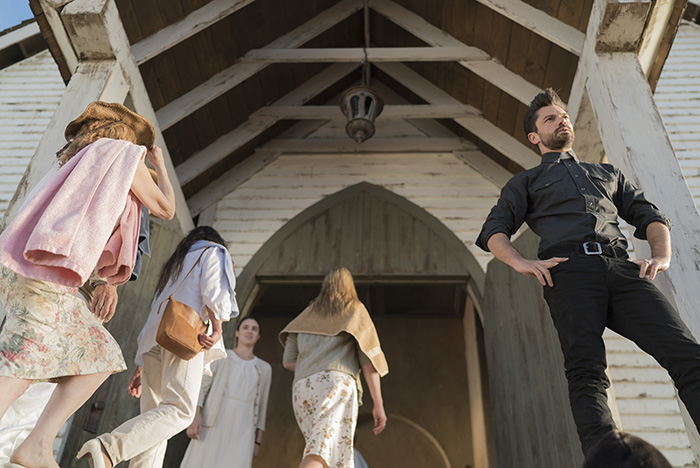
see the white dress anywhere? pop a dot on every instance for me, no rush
(230, 442)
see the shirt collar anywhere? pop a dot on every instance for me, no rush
(555, 156)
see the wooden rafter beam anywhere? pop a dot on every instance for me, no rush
(479, 126)
(395, 112)
(555, 31)
(236, 74)
(198, 163)
(374, 145)
(486, 68)
(190, 25)
(374, 54)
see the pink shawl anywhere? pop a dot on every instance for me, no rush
(84, 216)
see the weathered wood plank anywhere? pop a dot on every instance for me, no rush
(238, 73)
(393, 112)
(374, 145)
(555, 31)
(373, 54)
(193, 23)
(505, 79)
(635, 139)
(480, 127)
(225, 145)
(89, 83)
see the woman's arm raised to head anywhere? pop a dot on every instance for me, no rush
(159, 199)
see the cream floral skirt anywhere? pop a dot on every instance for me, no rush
(325, 405)
(49, 332)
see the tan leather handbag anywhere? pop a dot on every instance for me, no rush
(181, 325)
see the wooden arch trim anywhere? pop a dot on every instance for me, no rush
(246, 282)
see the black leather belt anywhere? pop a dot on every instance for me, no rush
(585, 248)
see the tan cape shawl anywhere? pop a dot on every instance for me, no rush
(357, 323)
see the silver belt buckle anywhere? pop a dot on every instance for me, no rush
(592, 248)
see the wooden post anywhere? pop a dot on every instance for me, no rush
(482, 438)
(96, 32)
(92, 81)
(106, 71)
(635, 139)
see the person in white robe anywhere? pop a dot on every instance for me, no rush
(228, 428)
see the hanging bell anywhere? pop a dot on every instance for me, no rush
(361, 106)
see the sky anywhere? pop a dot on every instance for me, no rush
(13, 12)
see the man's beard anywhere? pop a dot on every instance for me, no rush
(558, 141)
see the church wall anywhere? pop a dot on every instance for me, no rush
(438, 182)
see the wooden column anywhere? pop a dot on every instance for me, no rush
(96, 34)
(483, 439)
(635, 140)
(93, 80)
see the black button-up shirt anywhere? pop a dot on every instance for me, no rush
(565, 201)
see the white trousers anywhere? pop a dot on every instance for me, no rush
(168, 403)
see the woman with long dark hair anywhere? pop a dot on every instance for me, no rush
(228, 428)
(200, 274)
(83, 216)
(326, 346)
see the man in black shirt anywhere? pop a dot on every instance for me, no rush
(589, 282)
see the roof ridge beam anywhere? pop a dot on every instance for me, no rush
(357, 54)
(201, 161)
(479, 126)
(390, 112)
(487, 68)
(231, 77)
(187, 27)
(554, 30)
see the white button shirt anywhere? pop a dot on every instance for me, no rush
(210, 284)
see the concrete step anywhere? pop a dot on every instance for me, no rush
(641, 374)
(641, 390)
(630, 359)
(648, 406)
(680, 458)
(665, 439)
(652, 422)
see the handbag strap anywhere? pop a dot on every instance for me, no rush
(185, 278)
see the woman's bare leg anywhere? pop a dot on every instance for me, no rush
(313, 461)
(71, 392)
(11, 390)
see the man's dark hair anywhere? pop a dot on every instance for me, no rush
(623, 450)
(548, 97)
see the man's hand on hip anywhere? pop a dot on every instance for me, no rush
(651, 266)
(539, 269)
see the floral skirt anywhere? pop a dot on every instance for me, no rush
(325, 405)
(49, 332)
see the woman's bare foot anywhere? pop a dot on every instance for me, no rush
(33, 455)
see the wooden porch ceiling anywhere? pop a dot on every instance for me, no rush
(226, 76)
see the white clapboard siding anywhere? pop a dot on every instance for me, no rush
(30, 91)
(678, 97)
(249, 215)
(646, 400)
(440, 183)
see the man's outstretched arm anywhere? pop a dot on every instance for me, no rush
(499, 244)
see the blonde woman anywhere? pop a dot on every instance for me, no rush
(83, 216)
(326, 346)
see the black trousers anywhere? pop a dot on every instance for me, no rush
(592, 292)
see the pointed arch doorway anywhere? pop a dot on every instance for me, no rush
(412, 272)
